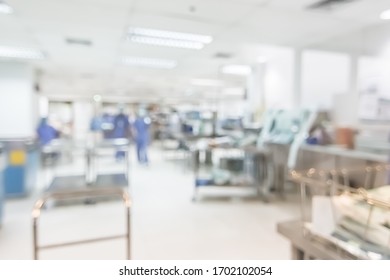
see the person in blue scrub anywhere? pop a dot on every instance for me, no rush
(121, 130)
(141, 130)
(46, 133)
(107, 125)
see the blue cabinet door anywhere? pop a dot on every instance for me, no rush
(2, 164)
(14, 180)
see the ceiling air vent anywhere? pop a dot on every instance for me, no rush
(223, 55)
(80, 42)
(328, 4)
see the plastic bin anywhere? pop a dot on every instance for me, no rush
(21, 167)
(2, 165)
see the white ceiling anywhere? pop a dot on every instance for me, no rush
(234, 24)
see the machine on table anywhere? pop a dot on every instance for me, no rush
(283, 133)
(339, 221)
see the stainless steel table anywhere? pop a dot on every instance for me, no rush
(305, 248)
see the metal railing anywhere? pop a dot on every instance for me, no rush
(79, 194)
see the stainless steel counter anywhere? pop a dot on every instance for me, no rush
(346, 153)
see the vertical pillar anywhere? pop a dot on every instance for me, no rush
(83, 111)
(18, 122)
(255, 96)
(297, 78)
(18, 101)
(354, 88)
(354, 74)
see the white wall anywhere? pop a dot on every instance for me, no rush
(255, 94)
(324, 74)
(275, 82)
(344, 111)
(231, 108)
(18, 102)
(83, 114)
(279, 79)
(369, 73)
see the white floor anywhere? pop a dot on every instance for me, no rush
(166, 224)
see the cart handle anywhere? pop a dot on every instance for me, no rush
(83, 193)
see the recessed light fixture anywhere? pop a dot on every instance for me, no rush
(78, 41)
(5, 8)
(20, 53)
(385, 15)
(168, 38)
(206, 82)
(236, 91)
(97, 98)
(241, 70)
(149, 62)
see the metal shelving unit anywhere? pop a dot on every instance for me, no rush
(248, 169)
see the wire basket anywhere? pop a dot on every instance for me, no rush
(347, 209)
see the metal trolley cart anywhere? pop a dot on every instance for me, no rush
(104, 149)
(226, 167)
(342, 219)
(80, 194)
(91, 152)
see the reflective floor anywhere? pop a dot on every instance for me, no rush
(166, 224)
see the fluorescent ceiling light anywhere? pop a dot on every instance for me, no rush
(5, 8)
(149, 62)
(169, 38)
(21, 53)
(206, 82)
(242, 70)
(234, 91)
(385, 15)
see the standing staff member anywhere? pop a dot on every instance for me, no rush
(141, 129)
(46, 132)
(121, 130)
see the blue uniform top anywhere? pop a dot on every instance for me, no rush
(46, 133)
(141, 126)
(121, 126)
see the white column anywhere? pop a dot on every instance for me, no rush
(296, 102)
(354, 76)
(255, 96)
(346, 105)
(83, 112)
(18, 101)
